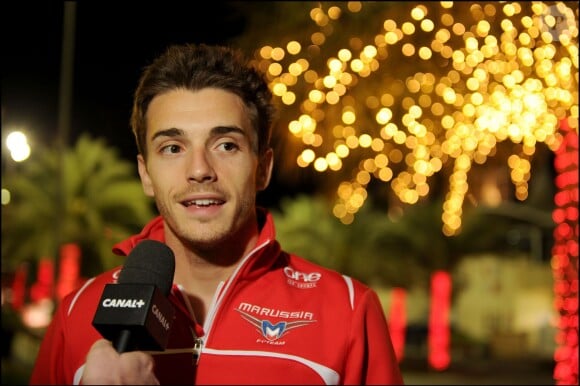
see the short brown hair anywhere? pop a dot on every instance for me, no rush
(194, 67)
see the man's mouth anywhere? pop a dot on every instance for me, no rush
(203, 202)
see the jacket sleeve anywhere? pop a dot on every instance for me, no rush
(48, 367)
(371, 358)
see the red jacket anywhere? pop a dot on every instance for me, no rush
(278, 319)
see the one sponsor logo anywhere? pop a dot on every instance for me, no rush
(301, 279)
(160, 317)
(123, 303)
(271, 332)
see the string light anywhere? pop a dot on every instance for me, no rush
(565, 257)
(440, 89)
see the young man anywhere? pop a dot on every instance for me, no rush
(246, 311)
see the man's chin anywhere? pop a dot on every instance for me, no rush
(204, 241)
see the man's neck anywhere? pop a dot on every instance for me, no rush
(199, 280)
(199, 271)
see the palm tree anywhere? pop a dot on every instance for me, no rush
(370, 249)
(103, 200)
(402, 251)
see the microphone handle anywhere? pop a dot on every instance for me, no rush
(122, 342)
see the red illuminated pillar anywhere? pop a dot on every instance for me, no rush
(439, 356)
(18, 295)
(398, 321)
(68, 280)
(565, 257)
(43, 287)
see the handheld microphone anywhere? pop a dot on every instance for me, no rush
(135, 313)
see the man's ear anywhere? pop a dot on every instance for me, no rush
(144, 174)
(265, 167)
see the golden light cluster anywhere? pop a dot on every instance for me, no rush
(430, 86)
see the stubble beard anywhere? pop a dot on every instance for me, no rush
(211, 237)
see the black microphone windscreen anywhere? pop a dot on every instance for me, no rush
(150, 262)
(135, 313)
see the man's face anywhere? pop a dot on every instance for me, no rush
(200, 166)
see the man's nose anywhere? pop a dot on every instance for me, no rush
(200, 168)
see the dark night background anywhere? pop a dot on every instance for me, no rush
(112, 44)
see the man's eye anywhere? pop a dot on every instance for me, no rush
(228, 146)
(172, 149)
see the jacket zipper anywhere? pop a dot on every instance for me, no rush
(197, 346)
(219, 296)
(198, 342)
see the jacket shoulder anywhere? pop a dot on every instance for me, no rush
(301, 269)
(85, 298)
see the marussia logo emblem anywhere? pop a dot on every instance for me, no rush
(272, 331)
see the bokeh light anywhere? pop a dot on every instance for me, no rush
(447, 86)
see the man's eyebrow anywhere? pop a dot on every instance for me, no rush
(173, 132)
(216, 131)
(220, 130)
